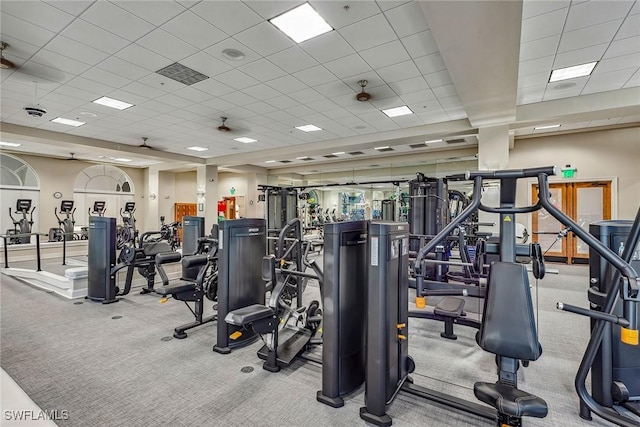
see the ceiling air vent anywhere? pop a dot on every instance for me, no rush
(455, 141)
(330, 156)
(384, 149)
(356, 153)
(285, 161)
(421, 145)
(182, 74)
(306, 159)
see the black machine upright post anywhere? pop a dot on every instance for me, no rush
(343, 324)
(102, 257)
(507, 220)
(388, 362)
(241, 247)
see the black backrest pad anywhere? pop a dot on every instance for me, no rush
(167, 257)
(191, 265)
(508, 325)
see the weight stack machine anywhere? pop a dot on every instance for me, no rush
(428, 207)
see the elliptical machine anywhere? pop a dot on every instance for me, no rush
(169, 232)
(24, 224)
(98, 210)
(66, 226)
(127, 232)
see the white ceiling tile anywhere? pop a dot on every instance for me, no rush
(531, 94)
(110, 17)
(436, 116)
(236, 79)
(161, 82)
(336, 113)
(444, 91)
(386, 54)
(81, 31)
(562, 89)
(23, 30)
(212, 87)
(218, 104)
(157, 14)
(633, 81)
(629, 119)
(292, 60)
(163, 43)
(262, 70)
(390, 4)
(539, 48)
(205, 64)
(97, 88)
(174, 101)
(451, 101)
(106, 77)
(307, 95)
(533, 79)
(270, 9)
(74, 7)
(327, 47)
(420, 44)
(300, 111)
(579, 56)
(75, 92)
(430, 63)
(409, 86)
(322, 105)
(265, 39)
(408, 120)
(231, 17)
(281, 102)
(608, 81)
(286, 84)
(368, 33)
(160, 107)
(422, 97)
(534, 66)
(590, 36)
(542, 26)
(38, 13)
(192, 94)
(456, 113)
(58, 98)
(335, 14)
(315, 75)
(231, 43)
(623, 47)
(70, 48)
(59, 62)
(531, 8)
(630, 27)
(261, 108)
(194, 30)
(618, 63)
(123, 68)
(596, 12)
(398, 72)
(261, 91)
(385, 103)
(407, 19)
(18, 51)
(347, 66)
(144, 90)
(143, 57)
(335, 88)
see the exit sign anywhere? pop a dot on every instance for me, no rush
(569, 172)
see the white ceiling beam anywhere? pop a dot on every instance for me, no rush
(479, 42)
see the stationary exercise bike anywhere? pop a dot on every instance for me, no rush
(22, 225)
(66, 225)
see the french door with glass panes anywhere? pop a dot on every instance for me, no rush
(584, 202)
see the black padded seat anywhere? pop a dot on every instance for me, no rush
(154, 248)
(247, 315)
(175, 289)
(449, 307)
(510, 401)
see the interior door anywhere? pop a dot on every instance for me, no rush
(592, 203)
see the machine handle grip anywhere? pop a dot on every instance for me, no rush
(512, 173)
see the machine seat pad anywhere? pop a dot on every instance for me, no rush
(247, 315)
(167, 257)
(510, 401)
(154, 248)
(175, 289)
(449, 306)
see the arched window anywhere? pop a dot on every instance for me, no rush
(103, 179)
(15, 173)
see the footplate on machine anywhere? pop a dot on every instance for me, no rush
(289, 349)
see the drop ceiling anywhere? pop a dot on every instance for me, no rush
(426, 55)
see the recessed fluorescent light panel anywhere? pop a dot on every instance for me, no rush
(386, 147)
(245, 140)
(398, 111)
(9, 144)
(546, 127)
(308, 128)
(572, 72)
(433, 141)
(337, 153)
(122, 160)
(302, 23)
(270, 161)
(67, 122)
(196, 148)
(113, 103)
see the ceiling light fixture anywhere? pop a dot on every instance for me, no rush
(382, 148)
(546, 127)
(302, 23)
(433, 141)
(113, 103)
(196, 148)
(270, 161)
(337, 153)
(308, 128)
(245, 140)
(67, 122)
(572, 72)
(397, 111)
(233, 54)
(9, 144)
(122, 160)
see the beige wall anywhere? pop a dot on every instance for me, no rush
(60, 175)
(186, 187)
(602, 154)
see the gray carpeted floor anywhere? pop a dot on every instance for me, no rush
(110, 371)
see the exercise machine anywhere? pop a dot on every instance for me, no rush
(22, 225)
(66, 225)
(169, 232)
(241, 246)
(99, 208)
(199, 280)
(127, 233)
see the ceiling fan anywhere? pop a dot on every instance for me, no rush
(73, 157)
(30, 70)
(363, 96)
(145, 145)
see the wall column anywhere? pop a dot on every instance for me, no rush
(207, 192)
(493, 147)
(152, 184)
